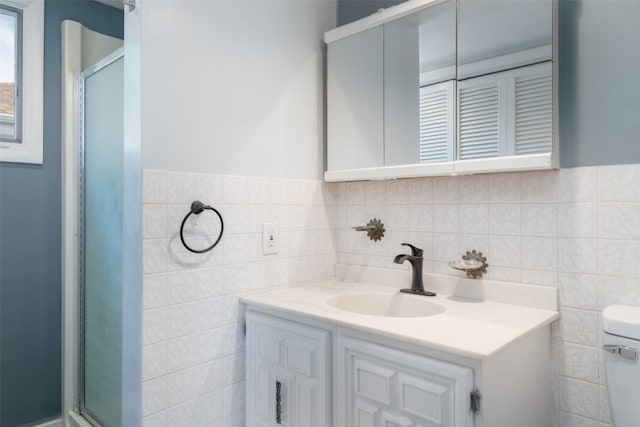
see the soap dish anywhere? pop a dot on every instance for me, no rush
(473, 263)
(465, 264)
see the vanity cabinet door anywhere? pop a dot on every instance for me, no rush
(384, 387)
(287, 374)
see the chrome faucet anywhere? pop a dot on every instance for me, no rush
(416, 259)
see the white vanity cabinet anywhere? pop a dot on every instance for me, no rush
(288, 373)
(477, 364)
(383, 387)
(374, 385)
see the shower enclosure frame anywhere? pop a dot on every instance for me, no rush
(107, 61)
(73, 410)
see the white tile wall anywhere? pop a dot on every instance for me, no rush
(193, 354)
(575, 229)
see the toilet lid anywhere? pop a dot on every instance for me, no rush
(622, 320)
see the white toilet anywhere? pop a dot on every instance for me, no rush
(621, 324)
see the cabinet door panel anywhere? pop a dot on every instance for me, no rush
(262, 388)
(298, 358)
(425, 399)
(365, 415)
(390, 420)
(306, 396)
(404, 388)
(372, 381)
(269, 348)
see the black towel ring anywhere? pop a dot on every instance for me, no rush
(197, 208)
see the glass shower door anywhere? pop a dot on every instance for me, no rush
(102, 241)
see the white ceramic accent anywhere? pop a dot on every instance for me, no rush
(621, 324)
(386, 305)
(622, 320)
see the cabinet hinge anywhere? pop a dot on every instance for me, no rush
(244, 329)
(475, 401)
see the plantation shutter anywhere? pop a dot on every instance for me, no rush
(507, 113)
(479, 119)
(533, 113)
(436, 122)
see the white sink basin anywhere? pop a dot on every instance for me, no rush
(386, 305)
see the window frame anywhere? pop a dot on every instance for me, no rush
(29, 108)
(17, 113)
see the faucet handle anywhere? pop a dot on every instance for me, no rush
(414, 250)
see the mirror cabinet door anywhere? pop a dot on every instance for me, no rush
(504, 101)
(419, 86)
(355, 101)
(443, 90)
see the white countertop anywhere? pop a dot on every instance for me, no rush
(472, 328)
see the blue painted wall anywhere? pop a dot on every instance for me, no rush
(350, 10)
(599, 89)
(30, 243)
(599, 114)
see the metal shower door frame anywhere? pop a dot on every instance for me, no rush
(100, 65)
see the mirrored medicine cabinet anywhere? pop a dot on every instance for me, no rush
(433, 87)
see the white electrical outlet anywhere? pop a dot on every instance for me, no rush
(269, 238)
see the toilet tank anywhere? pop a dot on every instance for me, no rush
(621, 325)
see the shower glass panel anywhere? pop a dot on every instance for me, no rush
(101, 347)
